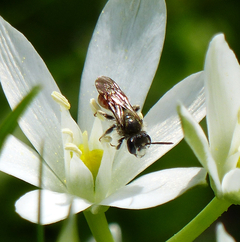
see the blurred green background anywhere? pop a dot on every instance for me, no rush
(60, 31)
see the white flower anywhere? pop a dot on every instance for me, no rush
(222, 234)
(126, 46)
(220, 155)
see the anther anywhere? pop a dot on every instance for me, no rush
(68, 132)
(60, 99)
(94, 106)
(72, 147)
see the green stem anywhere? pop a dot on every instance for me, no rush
(99, 226)
(202, 221)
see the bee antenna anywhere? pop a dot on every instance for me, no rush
(160, 143)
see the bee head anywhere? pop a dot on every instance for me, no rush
(138, 143)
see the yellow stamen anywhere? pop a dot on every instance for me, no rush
(92, 159)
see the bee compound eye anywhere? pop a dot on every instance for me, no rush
(142, 140)
(138, 144)
(131, 146)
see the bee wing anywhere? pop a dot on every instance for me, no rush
(114, 98)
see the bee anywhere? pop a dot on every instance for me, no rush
(128, 119)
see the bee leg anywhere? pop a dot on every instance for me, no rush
(119, 143)
(97, 111)
(102, 115)
(105, 136)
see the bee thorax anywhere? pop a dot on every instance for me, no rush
(132, 125)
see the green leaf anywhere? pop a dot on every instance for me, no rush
(10, 123)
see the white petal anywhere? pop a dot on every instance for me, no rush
(80, 179)
(103, 179)
(126, 46)
(162, 124)
(156, 188)
(21, 68)
(222, 96)
(18, 160)
(231, 163)
(67, 122)
(234, 148)
(54, 206)
(197, 140)
(116, 232)
(96, 133)
(222, 235)
(231, 185)
(104, 176)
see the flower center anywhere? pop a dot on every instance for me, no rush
(91, 158)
